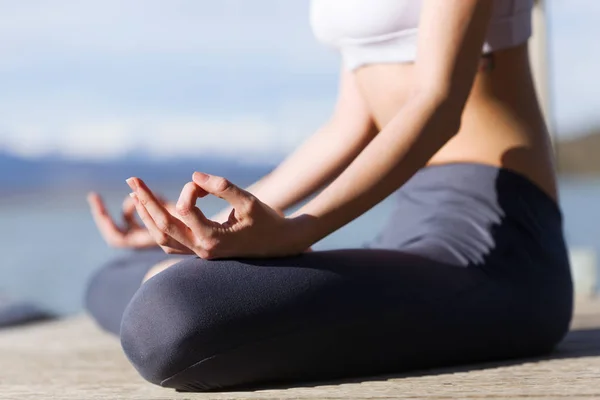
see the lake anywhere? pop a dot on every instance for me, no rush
(50, 245)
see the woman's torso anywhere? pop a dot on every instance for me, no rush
(502, 124)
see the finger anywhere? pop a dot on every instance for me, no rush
(129, 213)
(162, 219)
(111, 233)
(222, 188)
(190, 214)
(163, 239)
(200, 192)
(129, 210)
(170, 207)
(152, 204)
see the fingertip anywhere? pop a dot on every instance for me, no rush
(131, 183)
(200, 177)
(181, 209)
(191, 186)
(181, 206)
(134, 197)
(142, 186)
(94, 201)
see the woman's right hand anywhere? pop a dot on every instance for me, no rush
(131, 235)
(223, 216)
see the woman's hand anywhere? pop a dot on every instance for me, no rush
(131, 234)
(253, 229)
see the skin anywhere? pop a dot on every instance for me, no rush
(390, 120)
(160, 267)
(127, 234)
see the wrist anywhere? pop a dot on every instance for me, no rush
(301, 232)
(261, 190)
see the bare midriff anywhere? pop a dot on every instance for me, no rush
(502, 124)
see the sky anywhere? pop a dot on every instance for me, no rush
(101, 79)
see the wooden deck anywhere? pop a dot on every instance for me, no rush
(71, 359)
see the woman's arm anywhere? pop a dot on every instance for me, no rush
(451, 35)
(322, 156)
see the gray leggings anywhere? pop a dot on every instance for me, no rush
(472, 267)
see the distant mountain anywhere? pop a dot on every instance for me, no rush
(577, 156)
(53, 173)
(580, 155)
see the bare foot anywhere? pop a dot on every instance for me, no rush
(161, 266)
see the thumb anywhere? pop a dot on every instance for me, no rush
(224, 189)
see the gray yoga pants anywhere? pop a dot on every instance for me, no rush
(471, 267)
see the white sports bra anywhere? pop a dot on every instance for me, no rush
(385, 31)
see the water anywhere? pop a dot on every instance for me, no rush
(50, 245)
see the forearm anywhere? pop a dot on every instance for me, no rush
(320, 159)
(405, 145)
(451, 36)
(316, 162)
(325, 154)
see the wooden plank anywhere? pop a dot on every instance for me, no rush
(72, 359)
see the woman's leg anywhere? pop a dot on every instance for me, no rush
(112, 286)
(206, 325)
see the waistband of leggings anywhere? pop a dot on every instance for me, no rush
(504, 187)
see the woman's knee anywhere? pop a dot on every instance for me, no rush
(193, 326)
(113, 285)
(166, 327)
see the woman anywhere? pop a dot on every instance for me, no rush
(436, 104)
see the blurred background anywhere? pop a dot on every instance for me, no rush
(94, 92)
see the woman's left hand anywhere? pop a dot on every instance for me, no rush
(252, 230)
